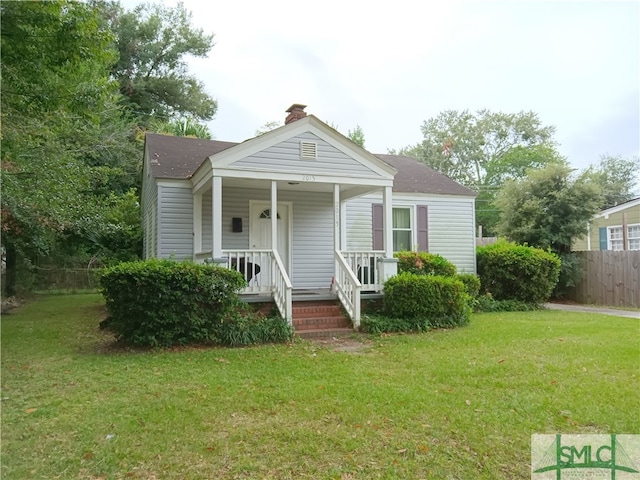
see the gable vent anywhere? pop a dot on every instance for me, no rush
(308, 150)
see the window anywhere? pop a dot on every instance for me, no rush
(615, 237)
(633, 237)
(267, 214)
(402, 233)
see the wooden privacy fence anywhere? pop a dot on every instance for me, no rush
(609, 278)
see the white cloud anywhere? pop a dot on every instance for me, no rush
(390, 66)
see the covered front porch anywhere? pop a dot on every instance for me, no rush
(301, 249)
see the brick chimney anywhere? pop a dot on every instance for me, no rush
(296, 112)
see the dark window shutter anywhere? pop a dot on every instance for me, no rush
(378, 226)
(603, 238)
(423, 228)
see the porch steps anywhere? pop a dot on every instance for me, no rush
(320, 319)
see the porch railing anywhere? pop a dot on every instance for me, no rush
(255, 267)
(282, 288)
(366, 266)
(348, 288)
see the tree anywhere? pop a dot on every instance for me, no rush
(267, 127)
(153, 42)
(548, 209)
(484, 149)
(181, 127)
(357, 135)
(60, 124)
(465, 146)
(617, 176)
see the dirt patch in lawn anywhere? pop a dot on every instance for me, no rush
(351, 344)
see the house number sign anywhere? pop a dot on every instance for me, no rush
(308, 178)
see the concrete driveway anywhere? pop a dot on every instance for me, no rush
(593, 309)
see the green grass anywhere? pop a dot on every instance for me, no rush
(454, 404)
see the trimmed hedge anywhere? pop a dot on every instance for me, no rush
(439, 301)
(471, 283)
(163, 302)
(424, 263)
(515, 272)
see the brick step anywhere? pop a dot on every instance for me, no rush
(325, 333)
(320, 323)
(317, 311)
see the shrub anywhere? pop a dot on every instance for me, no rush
(243, 326)
(440, 301)
(424, 263)
(380, 324)
(486, 303)
(163, 302)
(471, 283)
(515, 272)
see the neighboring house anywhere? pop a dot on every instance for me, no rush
(606, 231)
(341, 212)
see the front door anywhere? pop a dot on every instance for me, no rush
(260, 229)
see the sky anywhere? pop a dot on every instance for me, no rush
(389, 66)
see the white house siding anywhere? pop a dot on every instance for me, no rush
(149, 216)
(450, 227)
(285, 157)
(312, 230)
(175, 215)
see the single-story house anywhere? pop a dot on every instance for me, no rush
(340, 211)
(616, 228)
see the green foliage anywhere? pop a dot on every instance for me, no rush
(435, 300)
(424, 263)
(377, 324)
(153, 42)
(515, 272)
(162, 302)
(181, 127)
(486, 303)
(548, 208)
(471, 283)
(357, 135)
(481, 150)
(242, 326)
(65, 145)
(617, 177)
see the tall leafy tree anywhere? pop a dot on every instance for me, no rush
(481, 150)
(59, 112)
(618, 177)
(548, 209)
(153, 41)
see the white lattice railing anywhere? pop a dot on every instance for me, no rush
(255, 266)
(366, 266)
(348, 287)
(282, 288)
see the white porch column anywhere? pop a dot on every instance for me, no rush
(388, 222)
(197, 224)
(216, 219)
(337, 221)
(274, 215)
(388, 263)
(343, 226)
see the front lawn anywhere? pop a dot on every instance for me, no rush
(448, 404)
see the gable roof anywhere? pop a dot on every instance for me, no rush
(623, 206)
(173, 157)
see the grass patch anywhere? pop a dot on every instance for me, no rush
(458, 403)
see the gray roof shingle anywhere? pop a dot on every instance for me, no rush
(179, 158)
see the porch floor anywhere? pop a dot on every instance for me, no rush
(306, 295)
